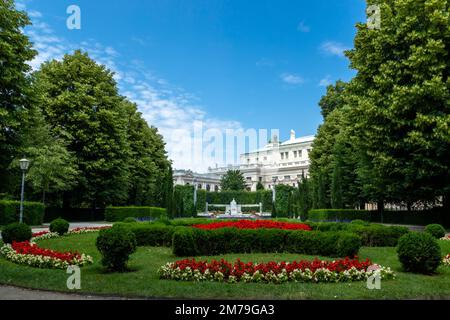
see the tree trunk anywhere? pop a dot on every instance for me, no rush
(380, 208)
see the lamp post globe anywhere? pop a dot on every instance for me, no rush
(24, 163)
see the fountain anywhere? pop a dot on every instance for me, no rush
(234, 211)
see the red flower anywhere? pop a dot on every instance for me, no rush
(38, 234)
(257, 224)
(239, 268)
(33, 249)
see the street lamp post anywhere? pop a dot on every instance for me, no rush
(274, 192)
(24, 163)
(195, 192)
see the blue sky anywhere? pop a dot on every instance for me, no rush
(231, 64)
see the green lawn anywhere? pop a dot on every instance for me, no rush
(143, 280)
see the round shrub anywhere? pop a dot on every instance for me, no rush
(17, 232)
(59, 226)
(183, 242)
(436, 230)
(129, 220)
(348, 245)
(419, 252)
(116, 244)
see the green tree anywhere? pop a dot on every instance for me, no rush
(148, 160)
(336, 187)
(15, 51)
(178, 203)
(259, 186)
(334, 98)
(233, 180)
(52, 169)
(80, 102)
(304, 197)
(401, 101)
(52, 166)
(168, 193)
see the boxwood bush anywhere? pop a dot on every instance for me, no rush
(419, 252)
(59, 226)
(17, 232)
(33, 212)
(436, 230)
(113, 214)
(116, 244)
(193, 242)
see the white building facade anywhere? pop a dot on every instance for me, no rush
(276, 163)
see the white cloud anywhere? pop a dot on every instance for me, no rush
(292, 79)
(34, 14)
(176, 113)
(334, 48)
(325, 82)
(302, 27)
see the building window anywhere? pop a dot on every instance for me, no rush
(216, 188)
(287, 155)
(287, 177)
(260, 179)
(249, 178)
(295, 154)
(282, 156)
(265, 158)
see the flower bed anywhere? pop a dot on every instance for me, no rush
(273, 272)
(446, 238)
(256, 224)
(446, 260)
(48, 235)
(31, 254)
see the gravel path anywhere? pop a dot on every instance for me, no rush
(73, 225)
(15, 293)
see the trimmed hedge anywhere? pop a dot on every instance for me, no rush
(151, 234)
(33, 212)
(436, 215)
(421, 218)
(372, 235)
(196, 242)
(338, 215)
(378, 235)
(113, 214)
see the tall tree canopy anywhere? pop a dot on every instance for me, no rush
(386, 133)
(15, 51)
(120, 158)
(401, 99)
(233, 180)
